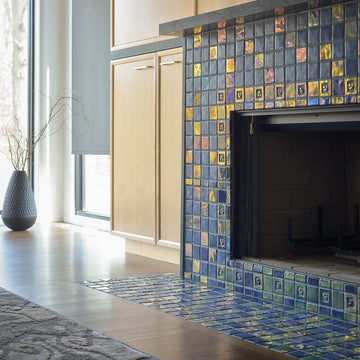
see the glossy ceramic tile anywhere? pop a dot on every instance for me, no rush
(283, 328)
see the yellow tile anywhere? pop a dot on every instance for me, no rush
(197, 128)
(197, 69)
(213, 112)
(325, 52)
(230, 65)
(313, 88)
(213, 52)
(189, 156)
(197, 171)
(221, 112)
(189, 113)
(229, 108)
(197, 41)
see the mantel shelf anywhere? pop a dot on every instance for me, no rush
(179, 27)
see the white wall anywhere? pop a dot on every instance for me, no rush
(49, 79)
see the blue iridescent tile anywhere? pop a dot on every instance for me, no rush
(350, 289)
(314, 35)
(249, 78)
(269, 26)
(314, 71)
(248, 279)
(259, 44)
(259, 28)
(351, 47)
(313, 102)
(197, 237)
(213, 225)
(279, 75)
(188, 236)
(259, 77)
(204, 268)
(213, 270)
(325, 33)
(188, 265)
(279, 58)
(289, 301)
(290, 22)
(351, 11)
(338, 49)
(338, 87)
(337, 314)
(290, 73)
(302, 21)
(325, 70)
(213, 212)
(269, 59)
(278, 273)
(325, 16)
(338, 31)
(204, 253)
(279, 41)
(301, 72)
(249, 31)
(196, 252)
(302, 38)
(269, 42)
(249, 62)
(290, 56)
(313, 281)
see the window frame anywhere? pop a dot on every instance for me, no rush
(80, 190)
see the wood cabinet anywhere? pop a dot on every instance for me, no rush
(146, 150)
(170, 131)
(133, 160)
(204, 6)
(138, 20)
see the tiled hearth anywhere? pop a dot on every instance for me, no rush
(296, 332)
(304, 56)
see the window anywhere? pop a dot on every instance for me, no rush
(13, 78)
(93, 185)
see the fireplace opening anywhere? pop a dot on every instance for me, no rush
(295, 183)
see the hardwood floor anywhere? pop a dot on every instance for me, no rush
(45, 265)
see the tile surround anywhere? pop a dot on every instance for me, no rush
(300, 56)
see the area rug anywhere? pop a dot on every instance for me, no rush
(296, 332)
(29, 331)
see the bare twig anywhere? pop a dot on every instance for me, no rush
(21, 148)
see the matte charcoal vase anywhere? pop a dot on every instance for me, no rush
(19, 209)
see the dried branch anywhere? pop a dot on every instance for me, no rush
(21, 148)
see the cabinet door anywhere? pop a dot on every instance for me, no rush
(170, 137)
(138, 20)
(204, 6)
(133, 148)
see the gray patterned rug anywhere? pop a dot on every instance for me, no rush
(29, 331)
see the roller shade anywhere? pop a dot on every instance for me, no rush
(91, 73)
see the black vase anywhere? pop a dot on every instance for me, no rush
(19, 209)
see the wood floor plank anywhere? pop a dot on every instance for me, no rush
(46, 264)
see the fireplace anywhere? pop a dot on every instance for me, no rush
(295, 182)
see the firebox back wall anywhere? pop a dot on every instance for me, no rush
(300, 56)
(299, 172)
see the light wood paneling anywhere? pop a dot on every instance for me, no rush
(170, 135)
(133, 146)
(138, 20)
(204, 6)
